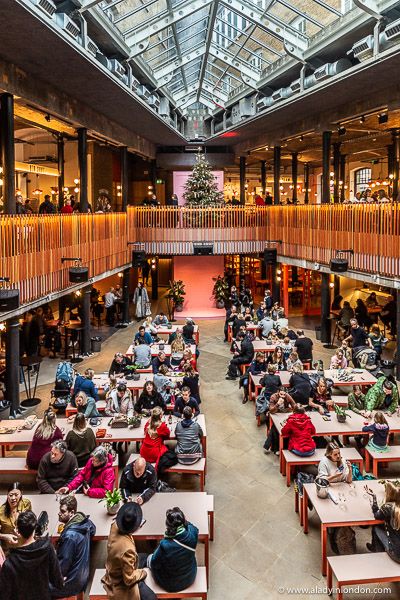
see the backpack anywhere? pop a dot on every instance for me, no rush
(64, 375)
(262, 403)
(342, 540)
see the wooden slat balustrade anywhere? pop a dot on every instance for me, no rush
(31, 248)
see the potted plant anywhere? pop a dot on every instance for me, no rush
(176, 293)
(341, 414)
(220, 291)
(113, 501)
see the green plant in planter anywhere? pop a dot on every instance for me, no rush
(113, 499)
(341, 413)
(176, 292)
(220, 291)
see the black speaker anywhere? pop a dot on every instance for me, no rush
(203, 250)
(138, 258)
(270, 255)
(78, 274)
(339, 265)
(9, 300)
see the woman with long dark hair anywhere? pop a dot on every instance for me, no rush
(9, 511)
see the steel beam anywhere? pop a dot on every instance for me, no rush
(210, 32)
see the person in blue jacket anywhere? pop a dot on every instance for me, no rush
(73, 548)
(173, 565)
(141, 335)
(84, 383)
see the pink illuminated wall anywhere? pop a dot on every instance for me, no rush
(197, 274)
(180, 178)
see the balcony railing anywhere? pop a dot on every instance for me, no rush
(31, 248)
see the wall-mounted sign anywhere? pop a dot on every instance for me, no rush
(32, 168)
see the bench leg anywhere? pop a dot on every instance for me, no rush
(211, 525)
(202, 482)
(305, 511)
(296, 501)
(367, 461)
(340, 592)
(323, 548)
(375, 467)
(329, 579)
(288, 472)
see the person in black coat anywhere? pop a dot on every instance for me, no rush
(138, 481)
(191, 380)
(238, 323)
(270, 381)
(230, 318)
(188, 332)
(160, 359)
(300, 386)
(244, 357)
(149, 398)
(119, 365)
(30, 335)
(185, 399)
(30, 569)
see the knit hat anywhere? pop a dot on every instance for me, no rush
(129, 518)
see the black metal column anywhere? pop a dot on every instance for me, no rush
(277, 174)
(396, 159)
(294, 176)
(336, 172)
(124, 177)
(325, 309)
(264, 177)
(276, 287)
(398, 335)
(83, 169)
(60, 159)
(242, 179)
(7, 152)
(153, 175)
(86, 320)
(336, 285)
(12, 364)
(342, 174)
(326, 167)
(125, 296)
(306, 182)
(390, 157)
(154, 280)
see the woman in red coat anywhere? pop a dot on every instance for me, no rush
(156, 431)
(300, 429)
(96, 478)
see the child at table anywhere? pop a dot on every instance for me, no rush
(380, 433)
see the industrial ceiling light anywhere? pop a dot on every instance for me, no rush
(340, 264)
(341, 130)
(383, 118)
(362, 119)
(9, 298)
(48, 118)
(77, 273)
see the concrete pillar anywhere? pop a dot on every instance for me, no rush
(277, 174)
(124, 177)
(306, 182)
(125, 296)
(7, 152)
(325, 309)
(86, 320)
(60, 159)
(154, 280)
(396, 160)
(336, 285)
(276, 287)
(242, 179)
(264, 177)
(342, 176)
(294, 176)
(12, 364)
(336, 172)
(326, 167)
(83, 169)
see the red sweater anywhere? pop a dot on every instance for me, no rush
(67, 210)
(300, 429)
(153, 448)
(40, 447)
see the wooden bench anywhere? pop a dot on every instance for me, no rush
(17, 466)
(392, 455)
(197, 590)
(291, 460)
(356, 569)
(72, 410)
(198, 468)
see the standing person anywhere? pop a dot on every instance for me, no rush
(243, 357)
(73, 548)
(19, 205)
(358, 336)
(47, 207)
(141, 301)
(45, 434)
(146, 270)
(30, 569)
(30, 335)
(81, 440)
(386, 537)
(67, 209)
(109, 305)
(389, 315)
(268, 300)
(304, 347)
(14, 505)
(173, 200)
(123, 579)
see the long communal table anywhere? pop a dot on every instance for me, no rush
(164, 330)
(102, 380)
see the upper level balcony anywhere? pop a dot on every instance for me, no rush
(31, 247)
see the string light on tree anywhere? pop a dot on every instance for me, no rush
(201, 188)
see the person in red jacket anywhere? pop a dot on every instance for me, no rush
(67, 208)
(300, 429)
(156, 431)
(97, 476)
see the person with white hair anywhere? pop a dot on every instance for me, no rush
(96, 478)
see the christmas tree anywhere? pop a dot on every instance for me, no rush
(201, 188)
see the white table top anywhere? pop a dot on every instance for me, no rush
(155, 349)
(164, 330)
(352, 425)
(361, 377)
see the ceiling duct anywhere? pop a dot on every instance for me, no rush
(264, 102)
(68, 25)
(143, 92)
(154, 101)
(364, 49)
(391, 33)
(91, 47)
(281, 94)
(164, 108)
(46, 6)
(117, 68)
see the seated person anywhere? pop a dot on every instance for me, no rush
(281, 320)
(149, 398)
(187, 359)
(160, 319)
(338, 360)
(45, 434)
(191, 380)
(277, 359)
(156, 432)
(119, 365)
(177, 350)
(188, 435)
(188, 331)
(356, 400)
(293, 360)
(86, 405)
(321, 397)
(248, 315)
(300, 386)
(281, 401)
(160, 359)
(15, 503)
(142, 356)
(383, 395)
(173, 564)
(273, 337)
(173, 334)
(97, 476)
(333, 468)
(372, 300)
(81, 440)
(266, 324)
(300, 430)
(380, 433)
(239, 322)
(275, 310)
(143, 337)
(119, 401)
(346, 351)
(73, 548)
(259, 364)
(164, 384)
(84, 383)
(261, 311)
(243, 356)
(185, 399)
(138, 481)
(271, 382)
(386, 537)
(57, 468)
(361, 314)
(286, 346)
